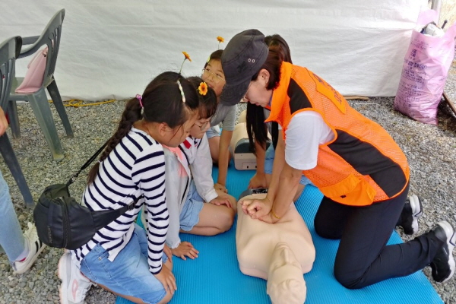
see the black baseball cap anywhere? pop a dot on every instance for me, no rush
(242, 58)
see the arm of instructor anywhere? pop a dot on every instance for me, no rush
(271, 210)
(306, 131)
(284, 184)
(258, 208)
(286, 189)
(277, 167)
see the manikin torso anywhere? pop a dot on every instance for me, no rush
(279, 253)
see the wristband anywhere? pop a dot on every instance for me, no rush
(274, 215)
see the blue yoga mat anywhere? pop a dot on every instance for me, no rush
(214, 277)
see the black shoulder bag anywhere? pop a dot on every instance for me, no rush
(62, 222)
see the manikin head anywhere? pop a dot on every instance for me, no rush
(286, 283)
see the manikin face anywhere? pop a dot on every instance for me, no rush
(213, 76)
(257, 93)
(173, 137)
(200, 127)
(285, 280)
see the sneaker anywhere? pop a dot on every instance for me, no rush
(443, 263)
(410, 214)
(35, 247)
(74, 285)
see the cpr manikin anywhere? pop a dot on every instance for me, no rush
(279, 253)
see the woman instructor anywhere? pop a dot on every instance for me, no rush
(361, 171)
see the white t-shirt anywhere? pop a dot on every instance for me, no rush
(306, 131)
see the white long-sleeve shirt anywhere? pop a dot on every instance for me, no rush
(135, 168)
(199, 156)
(191, 160)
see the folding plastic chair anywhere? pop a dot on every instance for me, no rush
(50, 37)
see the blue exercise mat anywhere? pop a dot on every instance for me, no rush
(214, 277)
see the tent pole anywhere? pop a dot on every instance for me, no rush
(436, 5)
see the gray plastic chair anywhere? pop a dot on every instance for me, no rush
(38, 100)
(9, 50)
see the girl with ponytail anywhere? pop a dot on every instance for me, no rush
(122, 257)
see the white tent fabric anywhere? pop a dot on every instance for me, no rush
(112, 49)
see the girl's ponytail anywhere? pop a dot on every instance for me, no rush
(162, 102)
(131, 114)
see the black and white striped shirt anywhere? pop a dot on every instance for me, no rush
(134, 168)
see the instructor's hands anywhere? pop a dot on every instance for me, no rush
(256, 208)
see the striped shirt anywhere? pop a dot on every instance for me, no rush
(135, 168)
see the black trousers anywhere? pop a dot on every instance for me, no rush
(363, 258)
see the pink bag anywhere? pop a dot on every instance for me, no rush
(424, 72)
(33, 79)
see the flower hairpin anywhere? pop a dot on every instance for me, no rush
(186, 57)
(220, 39)
(202, 89)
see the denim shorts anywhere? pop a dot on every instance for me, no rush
(129, 273)
(213, 132)
(269, 161)
(189, 215)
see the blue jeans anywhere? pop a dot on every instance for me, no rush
(11, 238)
(269, 161)
(129, 273)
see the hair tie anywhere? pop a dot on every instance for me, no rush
(181, 90)
(139, 97)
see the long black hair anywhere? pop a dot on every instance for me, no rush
(162, 102)
(256, 128)
(207, 102)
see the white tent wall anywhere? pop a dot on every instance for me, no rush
(112, 49)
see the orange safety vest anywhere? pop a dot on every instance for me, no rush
(362, 164)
